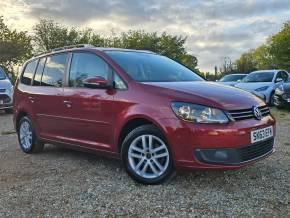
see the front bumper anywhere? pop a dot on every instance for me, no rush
(187, 140)
(279, 101)
(6, 100)
(235, 156)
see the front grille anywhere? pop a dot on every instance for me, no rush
(245, 114)
(5, 98)
(286, 96)
(256, 150)
(2, 90)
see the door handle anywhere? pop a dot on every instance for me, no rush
(31, 99)
(68, 103)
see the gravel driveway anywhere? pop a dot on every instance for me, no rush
(64, 183)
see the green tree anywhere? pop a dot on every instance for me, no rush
(275, 53)
(15, 47)
(246, 63)
(49, 34)
(263, 58)
(280, 48)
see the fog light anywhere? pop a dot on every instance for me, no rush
(217, 156)
(221, 155)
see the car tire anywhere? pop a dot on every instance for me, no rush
(271, 99)
(28, 141)
(9, 111)
(147, 156)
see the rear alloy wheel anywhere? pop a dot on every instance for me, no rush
(27, 138)
(146, 155)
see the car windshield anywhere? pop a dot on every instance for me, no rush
(259, 77)
(231, 78)
(2, 74)
(148, 67)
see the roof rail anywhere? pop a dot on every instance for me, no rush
(73, 46)
(66, 47)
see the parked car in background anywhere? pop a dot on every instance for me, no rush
(6, 92)
(282, 95)
(231, 79)
(153, 113)
(264, 83)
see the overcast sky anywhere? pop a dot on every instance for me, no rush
(215, 29)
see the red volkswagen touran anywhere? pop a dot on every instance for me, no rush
(153, 113)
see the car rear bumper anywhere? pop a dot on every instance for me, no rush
(189, 143)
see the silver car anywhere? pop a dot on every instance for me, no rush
(264, 83)
(231, 79)
(6, 92)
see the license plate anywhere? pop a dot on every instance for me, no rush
(261, 134)
(1, 102)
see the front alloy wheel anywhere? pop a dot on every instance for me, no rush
(146, 156)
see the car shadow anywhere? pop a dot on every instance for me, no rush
(193, 179)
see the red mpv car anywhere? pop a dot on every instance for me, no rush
(153, 113)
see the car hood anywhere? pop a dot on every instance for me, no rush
(210, 94)
(252, 86)
(5, 84)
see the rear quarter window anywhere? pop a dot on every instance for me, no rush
(28, 73)
(39, 71)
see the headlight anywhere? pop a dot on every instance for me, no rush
(278, 91)
(198, 113)
(262, 88)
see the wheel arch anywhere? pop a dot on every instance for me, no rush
(132, 123)
(19, 115)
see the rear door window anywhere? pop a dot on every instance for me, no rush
(39, 71)
(54, 70)
(29, 72)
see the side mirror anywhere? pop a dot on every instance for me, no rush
(278, 80)
(97, 82)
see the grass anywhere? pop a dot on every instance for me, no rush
(8, 132)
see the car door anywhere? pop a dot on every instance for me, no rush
(285, 76)
(48, 95)
(89, 112)
(277, 83)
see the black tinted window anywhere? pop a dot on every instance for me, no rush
(119, 83)
(259, 77)
(53, 73)
(29, 72)
(146, 67)
(285, 76)
(2, 74)
(39, 71)
(85, 65)
(231, 78)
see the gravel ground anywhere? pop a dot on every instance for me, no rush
(64, 183)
